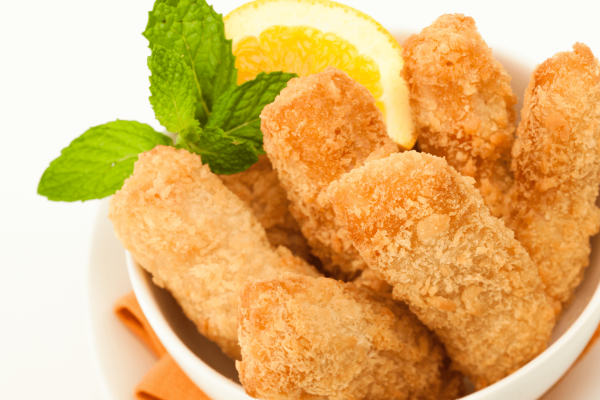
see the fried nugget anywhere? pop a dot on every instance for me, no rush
(320, 127)
(463, 104)
(556, 162)
(196, 238)
(305, 337)
(425, 228)
(259, 187)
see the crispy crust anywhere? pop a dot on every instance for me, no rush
(556, 162)
(320, 127)
(463, 104)
(317, 338)
(374, 280)
(196, 238)
(259, 187)
(425, 228)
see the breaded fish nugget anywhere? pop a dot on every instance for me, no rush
(320, 127)
(425, 228)
(259, 187)
(196, 238)
(463, 104)
(556, 162)
(304, 337)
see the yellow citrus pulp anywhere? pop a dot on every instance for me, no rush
(306, 36)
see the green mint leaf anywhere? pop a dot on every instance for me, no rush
(172, 88)
(195, 31)
(223, 154)
(96, 164)
(238, 110)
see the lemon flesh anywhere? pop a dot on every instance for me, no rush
(304, 50)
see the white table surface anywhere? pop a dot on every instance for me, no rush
(70, 65)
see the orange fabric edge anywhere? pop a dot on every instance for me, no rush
(166, 381)
(130, 313)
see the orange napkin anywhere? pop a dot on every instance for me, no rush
(164, 381)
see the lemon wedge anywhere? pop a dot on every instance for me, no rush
(306, 36)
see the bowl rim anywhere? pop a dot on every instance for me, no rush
(590, 316)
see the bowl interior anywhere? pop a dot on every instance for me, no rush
(181, 336)
(186, 331)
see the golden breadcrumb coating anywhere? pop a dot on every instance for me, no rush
(320, 127)
(259, 187)
(452, 381)
(373, 280)
(319, 338)
(425, 228)
(556, 162)
(196, 238)
(463, 104)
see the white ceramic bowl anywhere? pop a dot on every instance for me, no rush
(215, 374)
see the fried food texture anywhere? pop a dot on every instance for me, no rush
(320, 127)
(319, 338)
(259, 187)
(425, 228)
(373, 280)
(463, 104)
(196, 238)
(556, 162)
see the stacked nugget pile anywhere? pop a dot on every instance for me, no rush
(453, 260)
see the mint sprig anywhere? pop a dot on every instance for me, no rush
(231, 140)
(224, 154)
(196, 32)
(96, 164)
(193, 94)
(172, 88)
(237, 111)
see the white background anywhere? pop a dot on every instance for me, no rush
(69, 65)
